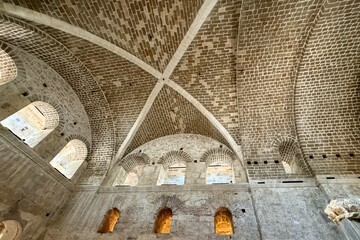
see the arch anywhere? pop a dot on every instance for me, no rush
(219, 166)
(289, 156)
(10, 230)
(70, 158)
(173, 168)
(133, 164)
(8, 69)
(223, 222)
(33, 123)
(110, 219)
(163, 221)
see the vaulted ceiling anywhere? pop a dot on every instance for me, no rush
(243, 72)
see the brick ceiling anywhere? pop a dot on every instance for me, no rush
(263, 69)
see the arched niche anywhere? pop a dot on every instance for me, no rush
(70, 158)
(32, 123)
(219, 166)
(110, 219)
(8, 70)
(10, 230)
(223, 222)
(163, 221)
(290, 157)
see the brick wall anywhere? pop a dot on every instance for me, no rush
(136, 26)
(327, 99)
(207, 69)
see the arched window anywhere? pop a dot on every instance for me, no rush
(163, 221)
(132, 178)
(69, 159)
(10, 230)
(8, 68)
(219, 166)
(173, 168)
(32, 123)
(110, 219)
(175, 174)
(223, 222)
(133, 164)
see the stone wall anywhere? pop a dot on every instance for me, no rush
(193, 213)
(31, 191)
(193, 146)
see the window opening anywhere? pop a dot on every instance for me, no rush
(110, 219)
(163, 221)
(223, 222)
(70, 158)
(32, 123)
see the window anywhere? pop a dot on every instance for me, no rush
(69, 159)
(32, 123)
(132, 178)
(173, 168)
(163, 221)
(219, 173)
(133, 165)
(8, 69)
(219, 165)
(110, 219)
(10, 230)
(223, 222)
(175, 174)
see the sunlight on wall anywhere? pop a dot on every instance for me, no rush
(70, 158)
(32, 123)
(219, 173)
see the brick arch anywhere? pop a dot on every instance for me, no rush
(174, 157)
(83, 139)
(167, 201)
(20, 69)
(54, 104)
(288, 150)
(8, 71)
(75, 73)
(133, 160)
(218, 155)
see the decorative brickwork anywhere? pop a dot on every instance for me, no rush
(327, 99)
(125, 85)
(207, 70)
(218, 155)
(174, 157)
(136, 26)
(171, 114)
(8, 68)
(133, 160)
(83, 83)
(271, 38)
